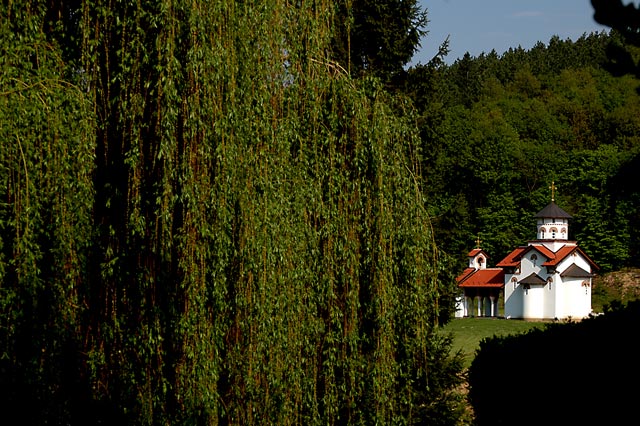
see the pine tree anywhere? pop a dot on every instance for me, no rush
(378, 37)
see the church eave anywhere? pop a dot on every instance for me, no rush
(566, 251)
(513, 259)
(576, 272)
(483, 285)
(533, 279)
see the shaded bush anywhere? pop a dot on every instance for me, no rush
(566, 373)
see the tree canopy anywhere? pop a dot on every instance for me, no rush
(497, 130)
(378, 37)
(203, 220)
(233, 212)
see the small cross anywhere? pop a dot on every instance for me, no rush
(553, 188)
(478, 241)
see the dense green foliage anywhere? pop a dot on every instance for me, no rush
(498, 130)
(203, 220)
(46, 163)
(546, 375)
(377, 37)
(624, 18)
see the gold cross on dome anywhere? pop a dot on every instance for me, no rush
(553, 188)
(478, 241)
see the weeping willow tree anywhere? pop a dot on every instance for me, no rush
(47, 133)
(205, 220)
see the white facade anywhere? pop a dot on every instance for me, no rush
(548, 294)
(551, 277)
(553, 229)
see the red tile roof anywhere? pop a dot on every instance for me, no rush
(476, 251)
(559, 255)
(465, 274)
(544, 250)
(489, 277)
(513, 259)
(564, 252)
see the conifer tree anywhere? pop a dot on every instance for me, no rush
(378, 37)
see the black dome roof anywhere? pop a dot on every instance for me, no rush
(553, 211)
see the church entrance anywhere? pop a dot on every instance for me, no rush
(481, 302)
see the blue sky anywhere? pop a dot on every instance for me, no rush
(477, 26)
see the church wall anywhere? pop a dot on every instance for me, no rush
(586, 299)
(533, 299)
(533, 302)
(512, 298)
(530, 266)
(578, 259)
(559, 299)
(563, 297)
(576, 298)
(552, 296)
(570, 299)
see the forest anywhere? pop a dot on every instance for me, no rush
(217, 212)
(497, 131)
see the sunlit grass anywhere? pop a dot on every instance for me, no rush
(468, 332)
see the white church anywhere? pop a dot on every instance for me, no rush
(549, 278)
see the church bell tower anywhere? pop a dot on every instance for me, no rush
(553, 222)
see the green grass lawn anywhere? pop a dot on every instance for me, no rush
(468, 332)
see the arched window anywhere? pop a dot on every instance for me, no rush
(534, 259)
(553, 233)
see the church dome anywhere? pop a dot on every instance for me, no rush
(553, 211)
(553, 223)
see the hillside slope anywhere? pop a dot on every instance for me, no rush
(618, 286)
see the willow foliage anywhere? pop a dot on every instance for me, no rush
(220, 226)
(46, 162)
